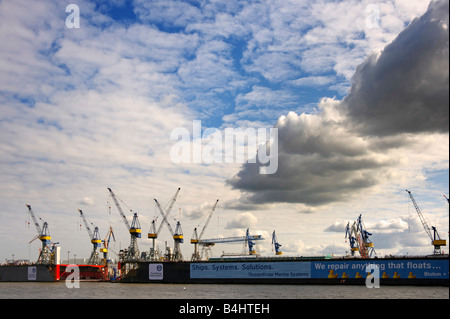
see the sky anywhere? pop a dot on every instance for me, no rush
(356, 90)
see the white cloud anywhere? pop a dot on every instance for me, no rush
(88, 201)
(244, 220)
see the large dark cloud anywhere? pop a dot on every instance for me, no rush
(405, 88)
(351, 146)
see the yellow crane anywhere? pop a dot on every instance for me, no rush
(436, 240)
(195, 237)
(153, 233)
(134, 230)
(177, 236)
(96, 242)
(45, 255)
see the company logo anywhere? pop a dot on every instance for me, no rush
(155, 271)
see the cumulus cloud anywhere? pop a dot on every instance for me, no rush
(337, 227)
(357, 144)
(319, 161)
(244, 220)
(88, 201)
(405, 87)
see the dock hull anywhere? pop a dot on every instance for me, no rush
(389, 271)
(50, 273)
(27, 273)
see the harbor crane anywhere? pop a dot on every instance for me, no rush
(94, 259)
(177, 236)
(277, 245)
(195, 237)
(247, 239)
(132, 254)
(105, 247)
(45, 255)
(359, 239)
(436, 240)
(365, 237)
(153, 233)
(352, 239)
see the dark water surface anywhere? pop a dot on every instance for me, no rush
(105, 290)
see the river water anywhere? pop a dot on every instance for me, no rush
(106, 290)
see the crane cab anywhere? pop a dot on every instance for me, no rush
(46, 239)
(136, 232)
(96, 242)
(135, 229)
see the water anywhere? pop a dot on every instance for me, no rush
(106, 290)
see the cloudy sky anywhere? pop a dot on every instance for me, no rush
(357, 90)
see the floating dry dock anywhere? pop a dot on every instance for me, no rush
(422, 270)
(51, 273)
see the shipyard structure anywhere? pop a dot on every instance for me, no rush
(360, 267)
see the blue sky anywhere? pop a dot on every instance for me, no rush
(87, 108)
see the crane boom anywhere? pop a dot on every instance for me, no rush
(229, 239)
(249, 239)
(422, 219)
(164, 217)
(125, 220)
(33, 216)
(208, 219)
(169, 208)
(86, 224)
